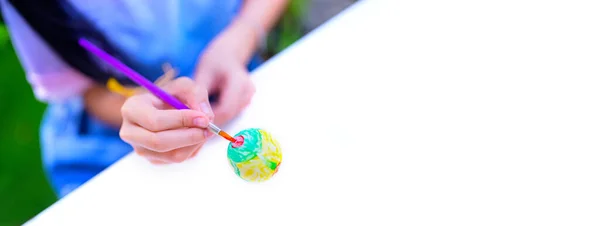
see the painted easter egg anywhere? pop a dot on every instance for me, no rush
(256, 156)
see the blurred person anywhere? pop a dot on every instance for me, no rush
(92, 120)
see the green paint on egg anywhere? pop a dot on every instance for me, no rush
(248, 150)
(271, 165)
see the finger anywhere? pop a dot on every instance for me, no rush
(250, 90)
(195, 153)
(208, 79)
(162, 141)
(158, 162)
(137, 105)
(144, 153)
(191, 93)
(231, 98)
(139, 110)
(159, 120)
(175, 156)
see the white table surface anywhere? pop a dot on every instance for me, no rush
(403, 113)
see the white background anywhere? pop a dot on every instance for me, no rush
(398, 113)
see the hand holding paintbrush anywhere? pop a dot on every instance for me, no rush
(162, 134)
(154, 130)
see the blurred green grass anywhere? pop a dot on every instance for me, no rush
(24, 189)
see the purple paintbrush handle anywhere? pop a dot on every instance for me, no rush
(131, 74)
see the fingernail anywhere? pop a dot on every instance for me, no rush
(206, 109)
(201, 122)
(207, 134)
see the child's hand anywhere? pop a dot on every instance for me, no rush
(162, 134)
(223, 71)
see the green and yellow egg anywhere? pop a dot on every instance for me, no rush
(258, 158)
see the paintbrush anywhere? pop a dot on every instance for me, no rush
(142, 81)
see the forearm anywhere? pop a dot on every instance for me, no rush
(263, 14)
(255, 19)
(104, 105)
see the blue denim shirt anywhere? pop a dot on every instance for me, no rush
(75, 145)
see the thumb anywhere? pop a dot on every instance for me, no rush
(231, 99)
